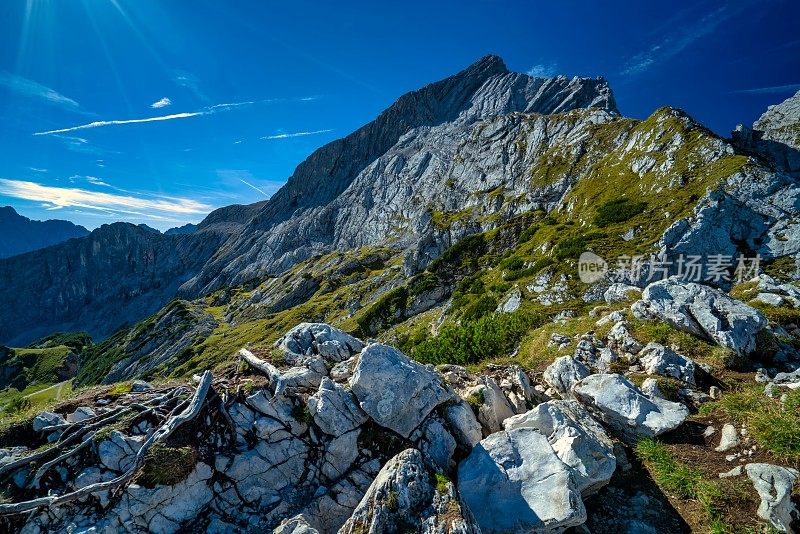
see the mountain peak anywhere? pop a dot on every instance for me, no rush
(489, 64)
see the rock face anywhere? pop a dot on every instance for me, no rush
(775, 135)
(624, 408)
(703, 311)
(517, 468)
(563, 373)
(19, 234)
(577, 439)
(402, 497)
(774, 485)
(394, 391)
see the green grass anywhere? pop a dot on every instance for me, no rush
(774, 426)
(685, 482)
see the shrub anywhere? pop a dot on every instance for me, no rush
(619, 210)
(480, 307)
(475, 340)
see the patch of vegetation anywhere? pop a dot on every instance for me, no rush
(483, 305)
(476, 400)
(467, 250)
(476, 340)
(36, 366)
(384, 312)
(782, 268)
(301, 414)
(442, 482)
(572, 247)
(167, 466)
(774, 425)
(685, 482)
(77, 341)
(618, 210)
(393, 501)
(120, 388)
(18, 405)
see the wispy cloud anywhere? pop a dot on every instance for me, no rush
(189, 81)
(97, 181)
(36, 169)
(265, 187)
(790, 88)
(296, 134)
(99, 124)
(216, 108)
(33, 89)
(78, 144)
(678, 40)
(543, 71)
(164, 102)
(155, 208)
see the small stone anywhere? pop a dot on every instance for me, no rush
(735, 472)
(729, 438)
(709, 431)
(715, 393)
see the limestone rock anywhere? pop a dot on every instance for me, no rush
(660, 360)
(578, 440)
(464, 425)
(46, 419)
(563, 373)
(504, 478)
(728, 438)
(703, 311)
(393, 390)
(308, 339)
(774, 485)
(119, 451)
(335, 409)
(624, 408)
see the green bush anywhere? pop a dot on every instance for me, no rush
(480, 307)
(167, 466)
(476, 340)
(619, 210)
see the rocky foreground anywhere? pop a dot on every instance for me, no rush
(328, 433)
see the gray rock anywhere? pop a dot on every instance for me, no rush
(774, 485)
(435, 442)
(464, 425)
(319, 339)
(651, 389)
(559, 340)
(735, 472)
(81, 413)
(504, 478)
(624, 408)
(393, 390)
(402, 497)
(295, 525)
(335, 409)
(620, 338)
(512, 301)
(577, 439)
(495, 407)
(728, 438)
(563, 373)
(140, 386)
(703, 311)
(119, 451)
(340, 453)
(620, 292)
(46, 419)
(660, 360)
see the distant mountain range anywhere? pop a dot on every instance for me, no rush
(20, 234)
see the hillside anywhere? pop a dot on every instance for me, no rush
(20, 234)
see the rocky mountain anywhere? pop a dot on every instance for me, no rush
(331, 202)
(20, 234)
(499, 289)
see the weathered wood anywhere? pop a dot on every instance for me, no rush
(264, 367)
(37, 477)
(189, 411)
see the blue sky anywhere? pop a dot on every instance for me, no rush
(199, 104)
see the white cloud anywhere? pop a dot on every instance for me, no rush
(32, 89)
(164, 102)
(97, 181)
(189, 81)
(678, 40)
(296, 134)
(790, 88)
(155, 208)
(543, 71)
(99, 124)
